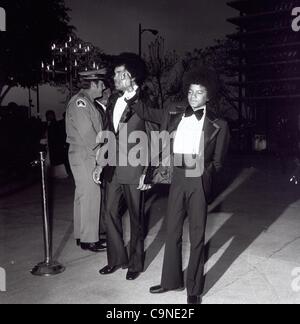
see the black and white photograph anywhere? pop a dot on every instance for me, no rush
(150, 154)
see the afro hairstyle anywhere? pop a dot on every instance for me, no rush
(203, 76)
(134, 65)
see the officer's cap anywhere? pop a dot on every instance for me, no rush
(94, 75)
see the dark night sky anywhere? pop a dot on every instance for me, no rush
(185, 24)
(112, 25)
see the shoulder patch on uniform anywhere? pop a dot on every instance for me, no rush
(81, 103)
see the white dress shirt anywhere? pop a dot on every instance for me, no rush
(189, 134)
(120, 107)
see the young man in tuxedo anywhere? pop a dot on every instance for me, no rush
(198, 150)
(123, 179)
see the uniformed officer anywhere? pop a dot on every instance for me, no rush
(83, 122)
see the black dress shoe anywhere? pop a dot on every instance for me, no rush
(160, 290)
(194, 300)
(93, 247)
(109, 270)
(132, 275)
(101, 241)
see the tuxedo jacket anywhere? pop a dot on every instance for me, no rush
(216, 136)
(130, 122)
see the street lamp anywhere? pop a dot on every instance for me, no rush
(141, 31)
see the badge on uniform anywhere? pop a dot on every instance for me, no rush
(81, 103)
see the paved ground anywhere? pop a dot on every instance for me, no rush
(253, 244)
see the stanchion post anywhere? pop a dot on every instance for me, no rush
(48, 267)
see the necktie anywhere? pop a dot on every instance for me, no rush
(190, 112)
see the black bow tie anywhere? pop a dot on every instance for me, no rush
(190, 112)
(119, 93)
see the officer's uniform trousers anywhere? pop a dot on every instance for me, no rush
(87, 195)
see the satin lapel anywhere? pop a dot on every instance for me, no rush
(174, 121)
(110, 112)
(102, 113)
(127, 114)
(210, 129)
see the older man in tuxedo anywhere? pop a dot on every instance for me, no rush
(123, 178)
(199, 144)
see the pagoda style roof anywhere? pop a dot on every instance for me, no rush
(268, 53)
(265, 17)
(275, 98)
(267, 81)
(244, 67)
(256, 6)
(262, 33)
(249, 51)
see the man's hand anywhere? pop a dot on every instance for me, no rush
(97, 174)
(99, 138)
(294, 180)
(142, 186)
